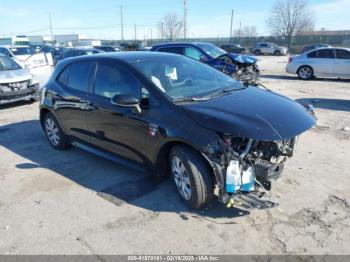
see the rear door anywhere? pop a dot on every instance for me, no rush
(342, 63)
(325, 61)
(70, 104)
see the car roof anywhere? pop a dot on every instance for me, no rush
(125, 56)
(180, 44)
(326, 48)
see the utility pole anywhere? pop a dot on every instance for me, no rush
(185, 19)
(121, 22)
(50, 24)
(151, 35)
(162, 29)
(240, 31)
(231, 24)
(135, 32)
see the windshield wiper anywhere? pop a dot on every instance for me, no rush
(191, 99)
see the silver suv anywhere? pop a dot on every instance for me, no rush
(269, 48)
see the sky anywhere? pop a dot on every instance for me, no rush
(101, 18)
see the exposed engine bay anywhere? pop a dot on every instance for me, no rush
(245, 165)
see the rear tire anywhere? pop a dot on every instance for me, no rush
(305, 73)
(257, 52)
(192, 176)
(58, 140)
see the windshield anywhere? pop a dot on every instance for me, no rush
(181, 77)
(211, 50)
(7, 63)
(21, 50)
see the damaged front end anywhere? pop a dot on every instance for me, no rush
(245, 167)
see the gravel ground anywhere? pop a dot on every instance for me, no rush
(60, 202)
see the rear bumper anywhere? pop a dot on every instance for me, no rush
(14, 96)
(291, 68)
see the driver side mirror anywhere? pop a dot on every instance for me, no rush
(126, 101)
(203, 59)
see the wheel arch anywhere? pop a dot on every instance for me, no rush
(43, 112)
(162, 165)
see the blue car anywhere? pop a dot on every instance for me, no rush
(239, 66)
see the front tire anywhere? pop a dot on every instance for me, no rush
(305, 73)
(277, 52)
(58, 140)
(192, 176)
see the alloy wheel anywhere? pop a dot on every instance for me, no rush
(181, 177)
(305, 73)
(52, 131)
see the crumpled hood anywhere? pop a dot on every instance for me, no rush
(252, 113)
(243, 59)
(11, 76)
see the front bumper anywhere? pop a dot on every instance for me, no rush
(18, 95)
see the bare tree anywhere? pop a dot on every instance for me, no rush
(170, 26)
(289, 18)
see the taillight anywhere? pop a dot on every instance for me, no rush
(290, 59)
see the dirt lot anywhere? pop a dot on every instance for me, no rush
(62, 202)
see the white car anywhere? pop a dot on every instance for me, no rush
(269, 48)
(16, 83)
(20, 53)
(322, 62)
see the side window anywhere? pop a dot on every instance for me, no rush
(63, 76)
(325, 53)
(193, 53)
(263, 45)
(111, 80)
(342, 54)
(79, 76)
(312, 54)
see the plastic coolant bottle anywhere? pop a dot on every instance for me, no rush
(248, 180)
(233, 177)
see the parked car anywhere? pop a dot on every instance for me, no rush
(322, 62)
(106, 48)
(241, 67)
(55, 51)
(312, 47)
(20, 53)
(169, 113)
(269, 48)
(16, 83)
(234, 48)
(73, 52)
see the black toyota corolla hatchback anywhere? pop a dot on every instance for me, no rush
(172, 114)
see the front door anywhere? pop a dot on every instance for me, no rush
(325, 62)
(342, 63)
(120, 130)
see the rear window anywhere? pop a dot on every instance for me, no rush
(21, 50)
(312, 54)
(174, 50)
(79, 76)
